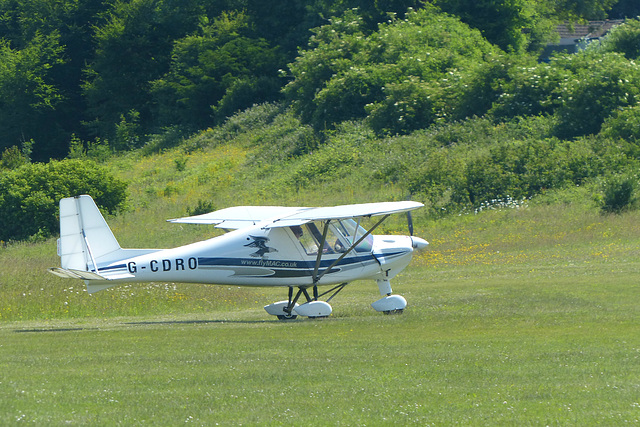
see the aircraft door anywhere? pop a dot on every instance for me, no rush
(336, 243)
(309, 237)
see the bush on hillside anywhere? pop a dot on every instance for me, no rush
(466, 175)
(623, 124)
(618, 193)
(29, 195)
(407, 105)
(602, 84)
(529, 90)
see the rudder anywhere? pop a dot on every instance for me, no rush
(84, 235)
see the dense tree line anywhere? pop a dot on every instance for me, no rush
(121, 69)
(84, 78)
(118, 70)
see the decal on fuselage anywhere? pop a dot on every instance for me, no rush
(178, 264)
(260, 243)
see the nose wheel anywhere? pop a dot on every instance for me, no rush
(389, 304)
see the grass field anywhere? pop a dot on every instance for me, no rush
(515, 317)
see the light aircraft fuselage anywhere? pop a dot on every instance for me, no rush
(268, 246)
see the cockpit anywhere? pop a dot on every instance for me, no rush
(341, 235)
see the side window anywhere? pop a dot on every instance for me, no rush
(306, 239)
(310, 235)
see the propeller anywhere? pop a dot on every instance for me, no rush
(416, 242)
(409, 218)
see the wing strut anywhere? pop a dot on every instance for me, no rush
(316, 277)
(320, 251)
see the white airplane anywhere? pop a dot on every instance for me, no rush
(293, 247)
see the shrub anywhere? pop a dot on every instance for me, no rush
(618, 193)
(602, 84)
(12, 158)
(407, 105)
(467, 175)
(529, 90)
(623, 124)
(169, 137)
(203, 207)
(341, 154)
(29, 195)
(442, 180)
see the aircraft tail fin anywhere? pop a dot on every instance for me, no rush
(84, 235)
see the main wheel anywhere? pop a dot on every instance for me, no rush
(287, 316)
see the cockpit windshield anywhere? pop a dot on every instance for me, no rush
(353, 232)
(341, 235)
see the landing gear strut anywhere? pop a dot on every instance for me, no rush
(312, 308)
(389, 304)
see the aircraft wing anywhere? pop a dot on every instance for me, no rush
(280, 216)
(345, 212)
(239, 216)
(355, 211)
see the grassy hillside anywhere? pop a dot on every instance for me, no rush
(266, 157)
(522, 311)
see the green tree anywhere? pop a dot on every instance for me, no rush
(508, 24)
(518, 25)
(529, 89)
(623, 124)
(286, 23)
(625, 9)
(28, 95)
(624, 39)
(223, 66)
(618, 193)
(575, 10)
(332, 49)
(133, 48)
(394, 75)
(29, 195)
(71, 22)
(601, 84)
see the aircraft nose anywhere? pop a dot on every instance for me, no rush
(418, 243)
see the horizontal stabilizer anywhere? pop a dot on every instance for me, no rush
(76, 274)
(88, 275)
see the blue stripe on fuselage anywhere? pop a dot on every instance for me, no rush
(276, 263)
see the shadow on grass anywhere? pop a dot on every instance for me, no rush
(37, 330)
(194, 322)
(153, 322)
